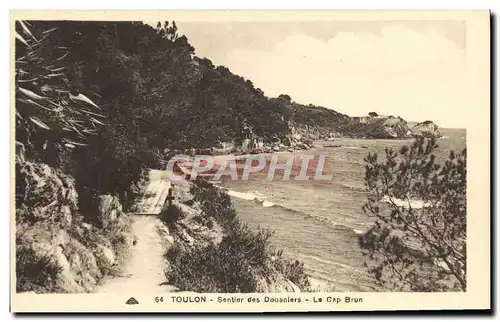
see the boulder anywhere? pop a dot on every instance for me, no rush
(55, 250)
(109, 210)
(386, 128)
(286, 142)
(105, 256)
(44, 192)
(65, 279)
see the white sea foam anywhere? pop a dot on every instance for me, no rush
(251, 195)
(267, 204)
(415, 204)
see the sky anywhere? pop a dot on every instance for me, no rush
(413, 69)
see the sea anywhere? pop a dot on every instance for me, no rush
(319, 222)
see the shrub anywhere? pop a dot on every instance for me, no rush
(214, 202)
(171, 214)
(238, 263)
(293, 271)
(233, 266)
(413, 249)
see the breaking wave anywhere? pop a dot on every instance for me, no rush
(261, 199)
(414, 203)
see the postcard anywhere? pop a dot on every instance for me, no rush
(250, 161)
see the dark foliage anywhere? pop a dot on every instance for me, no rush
(233, 266)
(214, 203)
(34, 273)
(171, 214)
(150, 89)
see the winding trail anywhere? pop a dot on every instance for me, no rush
(144, 270)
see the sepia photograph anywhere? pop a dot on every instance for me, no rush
(177, 159)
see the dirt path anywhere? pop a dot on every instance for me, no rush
(144, 270)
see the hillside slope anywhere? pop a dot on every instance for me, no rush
(56, 249)
(96, 105)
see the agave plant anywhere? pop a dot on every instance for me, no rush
(49, 112)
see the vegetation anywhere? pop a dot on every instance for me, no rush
(51, 115)
(242, 262)
(55, 123)
(410, 248)
(96, 101)
(171, 214)
(215, 203)
(35, 273)
(150, 91)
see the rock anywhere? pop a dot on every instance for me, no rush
(85, 261)
(426, 129)
(276, 284)
(186, 238)
(86, 226)
(109, 210)
(62, 238)
(49, 226)
(383, 127)
(169, 239)
(47, 191)
(286, 142)
(105, 256)
(66, 215)
(65, 279)
(130, 239)
(164, 232)
(292, 287)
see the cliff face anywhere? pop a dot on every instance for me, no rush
(426, 129)
(316, 122)
(56, 251)
(380, 127)
(373, 127)
(320, 123)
